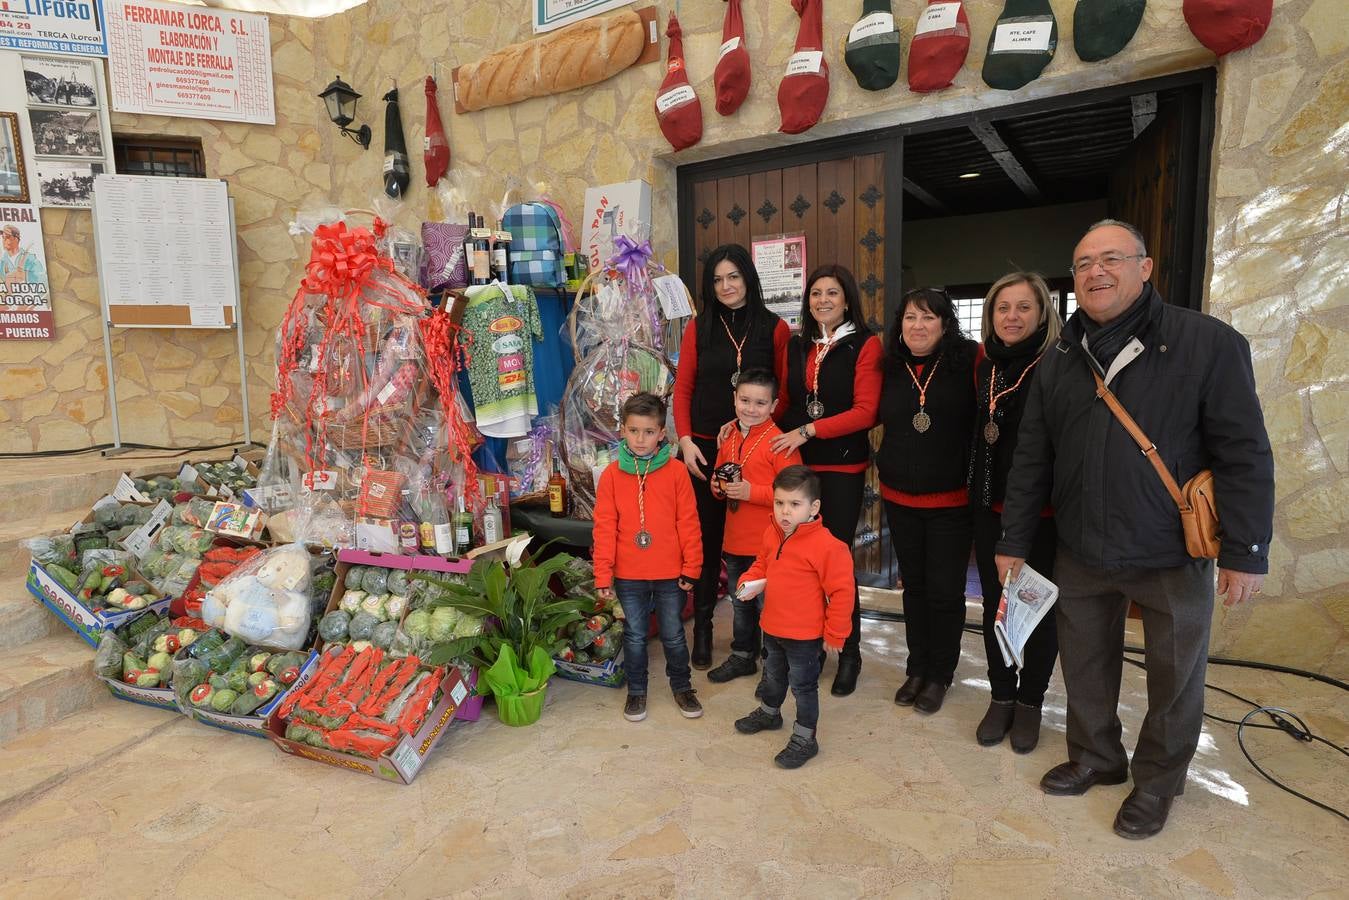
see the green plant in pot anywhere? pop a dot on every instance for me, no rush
(527, 617)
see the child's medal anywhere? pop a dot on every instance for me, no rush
(643, 539)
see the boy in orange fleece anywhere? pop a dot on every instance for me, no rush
(648, 550)
(746, 467)
(806, 575)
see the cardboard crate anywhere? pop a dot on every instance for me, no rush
(158, 697)
(255, 724)
(88, 623)
(606, 674)
(405, 759)
(347, 558)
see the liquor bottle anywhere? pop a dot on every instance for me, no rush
(491, 521)
(407, 526)
(463, 529)
(482, 254)
(557, 492)
(501, 255)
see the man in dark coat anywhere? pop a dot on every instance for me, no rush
(1186, 379)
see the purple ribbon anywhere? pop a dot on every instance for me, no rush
(630, 259)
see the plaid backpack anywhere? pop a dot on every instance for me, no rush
(536, 245)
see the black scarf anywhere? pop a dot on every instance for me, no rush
(1106, 341)
(1010, 362)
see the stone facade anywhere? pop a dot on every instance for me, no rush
(1278, 214)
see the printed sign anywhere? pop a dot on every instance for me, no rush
(1030, 36)
(938, 17)
(550, 14)
(55, 26)
(874, 25)
(25, 301)
(198, 62)
(805, 62)
(781, 263)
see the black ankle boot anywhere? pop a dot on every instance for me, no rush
(845, 679)
(701, 657)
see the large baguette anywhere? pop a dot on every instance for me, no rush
(572, 57)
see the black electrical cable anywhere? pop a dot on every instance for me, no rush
(172, 451)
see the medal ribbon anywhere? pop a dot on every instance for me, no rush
(922, 388)
(992, 382)
(740, 454)
(641, 495)
(738, 347)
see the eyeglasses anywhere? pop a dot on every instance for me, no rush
(1110, 262)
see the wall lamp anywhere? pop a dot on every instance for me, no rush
(340, 99)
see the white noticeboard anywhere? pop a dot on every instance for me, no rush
(194, 61)
(166, 253)
(53, 26)
(551, 14)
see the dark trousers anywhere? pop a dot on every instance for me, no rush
(933, 546)
(640, 599)
(1042, 649)
(712, 519)
(1177, 607)
(796, 664)
(840, 508)
(745, 639)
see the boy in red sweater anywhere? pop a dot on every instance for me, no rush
(746, 467)
(806, 575)
(648, 550)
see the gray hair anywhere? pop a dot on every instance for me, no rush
(1116, 223)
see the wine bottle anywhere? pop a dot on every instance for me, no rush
(482, 254)
(463, 530)
(501, 255)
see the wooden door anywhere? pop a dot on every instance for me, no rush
(846, 205)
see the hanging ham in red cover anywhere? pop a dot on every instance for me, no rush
(805, 87)
(1225, 26)
(677, 107)
(941, 41)
(732, 73)
(437, 155)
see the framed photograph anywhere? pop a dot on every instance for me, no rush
(66, 132)
(53, 81)
(13, 175)
(67, 183)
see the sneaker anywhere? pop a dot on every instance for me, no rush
(688, 704)
(797, 753)
(734, 667)
(635, 709)
(758, 721)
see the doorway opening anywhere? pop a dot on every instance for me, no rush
(960, 201)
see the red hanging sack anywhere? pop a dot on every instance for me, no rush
(805, 88)
(941, 41)
(732, 73)
(1227, 25)
(677, 108)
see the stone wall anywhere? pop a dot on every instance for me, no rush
(1277, 208)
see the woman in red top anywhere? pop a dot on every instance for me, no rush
(927, 408)
(1020, 325)
(733, 332)
(830, 399)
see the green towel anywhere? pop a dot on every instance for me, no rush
(1021, 44)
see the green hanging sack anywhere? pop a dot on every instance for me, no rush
(1021, 44)
(873, 50)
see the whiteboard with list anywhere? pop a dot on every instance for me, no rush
(166, 252)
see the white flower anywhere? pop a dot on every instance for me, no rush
(516, 549)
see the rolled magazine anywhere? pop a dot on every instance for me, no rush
(1025, 601)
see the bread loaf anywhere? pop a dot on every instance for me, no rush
(572, 57)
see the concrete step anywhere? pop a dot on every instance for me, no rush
(43, 758)
(43, 681)
(14, 557)
(22, 618)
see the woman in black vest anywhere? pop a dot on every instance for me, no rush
(734, 331)
(927, 408)
(1020, 325)
(831, 394)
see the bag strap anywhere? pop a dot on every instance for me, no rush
(1144, 443)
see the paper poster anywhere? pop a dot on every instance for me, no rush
(197, 62)
(550, 14)
(781, 263)
(25, 301)
(53, 26)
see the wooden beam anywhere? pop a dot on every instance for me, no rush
(1003, 156)
(922, 193)
(1145, 110)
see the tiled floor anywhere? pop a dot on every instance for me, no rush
(584, 804)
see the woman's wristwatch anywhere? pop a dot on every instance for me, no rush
(805, 432)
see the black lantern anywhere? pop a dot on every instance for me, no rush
(341, 99)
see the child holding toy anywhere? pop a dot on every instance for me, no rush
(806, 577)
(746, 467)
(648, 550)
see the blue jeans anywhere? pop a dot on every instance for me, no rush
(640, 599)
(795, 663)
(745, 636)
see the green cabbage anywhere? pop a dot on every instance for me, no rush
(418, 623)
(443, 622)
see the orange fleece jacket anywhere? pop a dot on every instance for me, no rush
(810, 590)
(759, 465)
(671, 519)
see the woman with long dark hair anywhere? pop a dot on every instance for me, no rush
(927, 408)
(830, 397)
(1020, 325)
(734, 331)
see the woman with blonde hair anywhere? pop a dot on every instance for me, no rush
(1020, 325)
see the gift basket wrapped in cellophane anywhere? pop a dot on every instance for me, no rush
(620, 335)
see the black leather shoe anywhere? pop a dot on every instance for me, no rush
(734, 667)
(1025, 728)
(1071, 779)
(1142, 815)
(930, 698)
(701, 657)
(845, 679)
(908, 691)
(995, 724)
